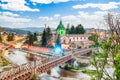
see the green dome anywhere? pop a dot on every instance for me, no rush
(61, 29)
(61, 26)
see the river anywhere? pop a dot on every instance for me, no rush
(60, 74)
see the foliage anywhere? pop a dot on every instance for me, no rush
(72, 30)
(89, 72)
(30, 38)
(44, 40)
(100, 61)
(4, 61)
(93, 37)
(84, 70)
(7, 68)
(68, 29)
(33, 77)
(117, 66)
(79, 29)
(0, 38)
(67, 67)
(35, 36)
(79, 47)
(10, 37)
(46, 37)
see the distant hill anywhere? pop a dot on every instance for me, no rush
(38, 30)
(35, 29)
(14, 30)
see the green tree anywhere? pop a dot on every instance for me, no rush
(79, 29)
(44, 40)
(10, 37)
(35, 36)
(117, 66)
(72, 30)
(110, 52)
(68, 29)
(94, 37)
(30, 38)
(48, 35)
(0, 38)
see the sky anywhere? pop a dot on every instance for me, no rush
(37, 13)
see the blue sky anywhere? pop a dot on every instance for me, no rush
(36, 13)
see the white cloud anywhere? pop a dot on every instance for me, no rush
(92, 17)
(49, 1)
(84, 18)
(8, 14)
(69, 18)
(57, 15)
(45, 18)
(16, 5)
(11, 17)
(107, 6)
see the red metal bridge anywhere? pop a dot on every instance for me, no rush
(26, 71)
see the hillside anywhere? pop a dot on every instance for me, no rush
(13, 30)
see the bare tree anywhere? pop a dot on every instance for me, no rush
(113, 22)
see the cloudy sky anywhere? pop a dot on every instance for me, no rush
(36, 13)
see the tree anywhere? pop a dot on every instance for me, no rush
(93, 37)
(72, 30)
(110, 50)
(30, 38)
(68, 29)
(79, 29)
(48, 35)
(113, 22)
(75, 30)
(35, 36)
(44, 40)
(10, 37)
(0, 38)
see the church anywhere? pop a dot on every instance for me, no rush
(72, 40)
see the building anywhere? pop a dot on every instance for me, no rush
(77, 40)
(72, 40)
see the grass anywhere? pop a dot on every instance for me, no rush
(82, 69)
(47, 54)
(4, 62)
(89, 72)
(33, 77)
(7, 68)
